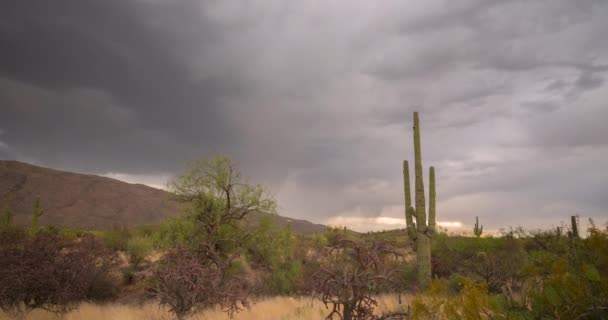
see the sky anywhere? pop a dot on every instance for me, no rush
(314, 100)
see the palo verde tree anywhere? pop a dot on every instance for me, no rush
(217, 199)
(420, 231)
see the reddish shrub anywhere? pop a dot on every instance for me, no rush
(183, 283)
(50, 273)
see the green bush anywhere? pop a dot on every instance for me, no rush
(174, 232)
(116, 238)
(128, 276)
(138, 248)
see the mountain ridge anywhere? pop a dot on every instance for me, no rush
(88, 201)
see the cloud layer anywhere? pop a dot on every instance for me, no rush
(314, 99)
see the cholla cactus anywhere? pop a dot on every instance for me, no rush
(420, 231)
(477, 230)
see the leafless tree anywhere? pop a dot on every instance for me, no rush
(182, 283)
(50, 273)
(351, 274)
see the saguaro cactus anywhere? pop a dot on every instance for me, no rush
(420, 231)
(477, 230)
(574, 227)
(7, 216)
(35, 218)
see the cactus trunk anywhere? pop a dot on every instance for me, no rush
(423, 259)
(421, 231)
(420, 201)
(574, 227)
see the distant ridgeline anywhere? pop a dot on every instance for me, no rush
(93, 202)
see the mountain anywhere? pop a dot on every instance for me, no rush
(93, 202)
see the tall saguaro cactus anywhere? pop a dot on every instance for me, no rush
(420, 231)
(477, 230)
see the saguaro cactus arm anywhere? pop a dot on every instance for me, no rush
(431, 226)
(409, 211)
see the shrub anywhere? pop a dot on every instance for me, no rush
(116, 238)
(182, 283)
(51, 273)
(138, 248)
(102, 288)
(352, 275)
(128, 276)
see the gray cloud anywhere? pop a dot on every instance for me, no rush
(315, 99)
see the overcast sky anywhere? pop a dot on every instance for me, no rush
(314, 99)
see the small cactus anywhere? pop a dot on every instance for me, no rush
(36, 216)
(477, 230)
(7, 216)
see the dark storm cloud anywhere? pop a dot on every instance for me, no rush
(101, 81)
(314, 99)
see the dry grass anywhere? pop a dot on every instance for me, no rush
(278, 308)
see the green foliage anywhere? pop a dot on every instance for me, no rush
(72, 234)
(319, 241)
(546, 283)
(116, 238)
(128, 276)
(138, 248)
(456, 282)
(175, 231)
(217, 199)
(271, 248)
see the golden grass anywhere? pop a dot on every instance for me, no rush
(277, 308)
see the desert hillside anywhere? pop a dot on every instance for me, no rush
(93, 202)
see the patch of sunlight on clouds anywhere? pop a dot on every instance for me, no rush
(365, 224)
(158, 181)
(449, 224)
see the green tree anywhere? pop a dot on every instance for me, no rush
(218, 199)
